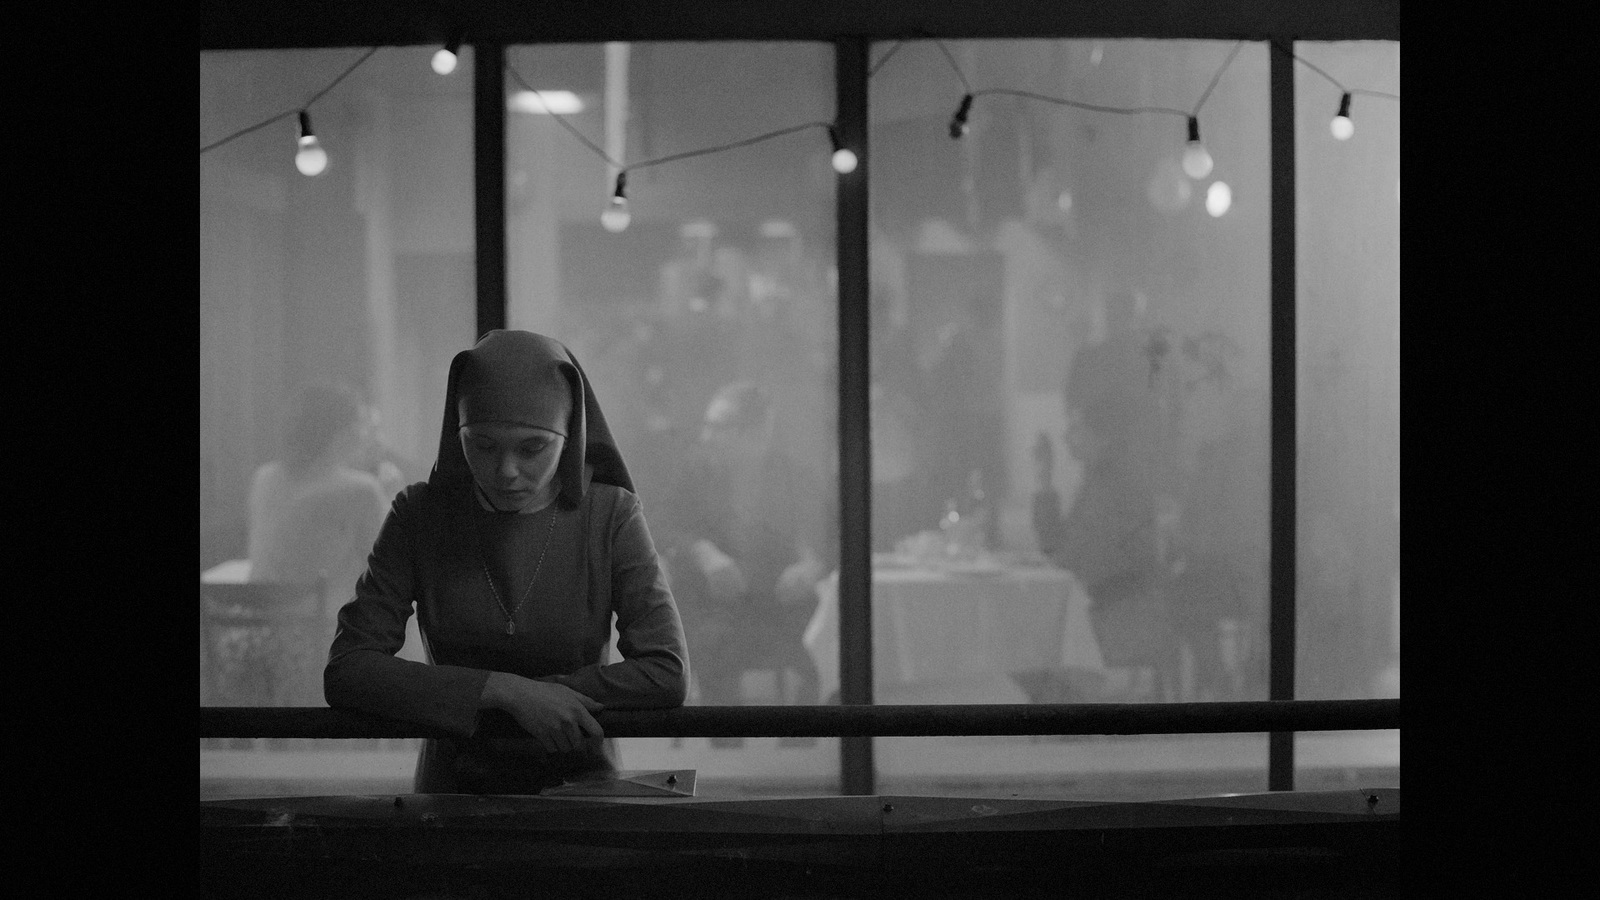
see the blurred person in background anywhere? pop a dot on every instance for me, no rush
(312, 517)
(1115, 532)
(313, 513)
(377, 458)
(745, 531)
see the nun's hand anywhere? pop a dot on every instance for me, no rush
(558, 717)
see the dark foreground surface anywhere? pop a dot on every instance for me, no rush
(1288, 844)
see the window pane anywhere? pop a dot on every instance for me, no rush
(359, 278)
(1070, 418)
(1348, 273)
(708, 328)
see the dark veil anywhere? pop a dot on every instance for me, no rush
(518, 368)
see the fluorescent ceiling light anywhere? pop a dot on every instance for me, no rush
(540, 102)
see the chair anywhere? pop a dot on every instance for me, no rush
(262, 644)
(742, 653)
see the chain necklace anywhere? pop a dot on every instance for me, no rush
(511, 621)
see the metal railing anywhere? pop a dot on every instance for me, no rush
(1275, 716)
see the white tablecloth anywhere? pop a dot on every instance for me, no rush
(234, 571)
(948, 623)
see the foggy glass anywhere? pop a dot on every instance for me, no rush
(1069, 401)
(708, 328)
(1348, 286)
(360, 276)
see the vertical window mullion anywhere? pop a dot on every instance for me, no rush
(855, 483)
(1284, 480)
(489, 184)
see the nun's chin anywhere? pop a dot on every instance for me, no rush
(514, 501)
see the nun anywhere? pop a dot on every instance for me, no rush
(517, 554)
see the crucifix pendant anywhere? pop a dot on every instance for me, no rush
(511, 627)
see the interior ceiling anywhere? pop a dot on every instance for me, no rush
(247, 24)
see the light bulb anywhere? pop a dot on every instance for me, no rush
(616, 217)
(1341, 126)
(1218, 198)
(844, 159)
(1196, 161)
(311, 159)
(958, 122)
(444, 61)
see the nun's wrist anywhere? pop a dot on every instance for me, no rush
(494, 694)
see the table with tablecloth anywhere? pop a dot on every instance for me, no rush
(949, 621)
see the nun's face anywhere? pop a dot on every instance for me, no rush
(514, 465)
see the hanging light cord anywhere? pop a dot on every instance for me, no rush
(1123, 110)
(885, 58)
(729, 146)
(966, 88)
(560, 120)
(949, 57)
(1332, 80)
(664, 159)
(1095, 107)
(284, 115)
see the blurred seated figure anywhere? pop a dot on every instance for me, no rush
(313, 519)
(1111, 539)
(378, 459)
(313, 515)
(745, 535)
(1108, 537)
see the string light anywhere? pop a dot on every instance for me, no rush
(444, 59)
(1218, 198)
(958, 122)
(844, 159)
(1196, 161)
(1341, 126)
(616, 217)
(310, 159)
